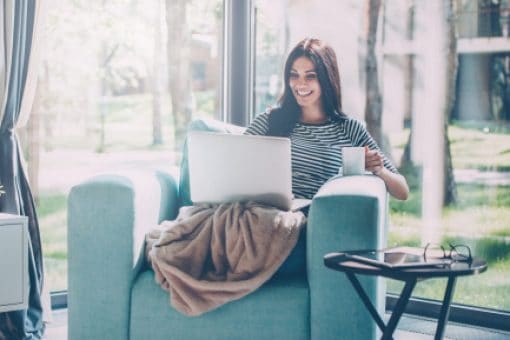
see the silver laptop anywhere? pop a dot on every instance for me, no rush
(229, 168)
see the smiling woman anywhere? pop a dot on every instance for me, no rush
(310, 113)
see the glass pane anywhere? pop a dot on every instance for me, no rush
(119, 81)
(478, 126)
(478, 137)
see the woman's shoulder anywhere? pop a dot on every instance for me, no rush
(352, 122)
(351, 126)
(262, 117)
(259, 124)
(264, 114)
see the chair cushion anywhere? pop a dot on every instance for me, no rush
(199, 125)
(277, 310)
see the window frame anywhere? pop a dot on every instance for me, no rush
(238, 61)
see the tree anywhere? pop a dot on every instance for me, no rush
(448, 50)
(373, 100)
(178, 50)
(450, 191)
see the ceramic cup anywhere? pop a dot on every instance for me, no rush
(353, 160)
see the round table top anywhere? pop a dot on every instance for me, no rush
(338, 261)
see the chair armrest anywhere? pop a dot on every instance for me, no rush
(347, 213)
(108, 217)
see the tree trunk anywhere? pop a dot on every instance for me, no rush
(105, 57)
(373, 101)
(157, 135)
(406, 163)
(450, 191)
(178, 50)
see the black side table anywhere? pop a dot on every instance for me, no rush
(339, 262)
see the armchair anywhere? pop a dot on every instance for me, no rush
(113, 295)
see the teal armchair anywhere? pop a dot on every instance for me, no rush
(112, 293)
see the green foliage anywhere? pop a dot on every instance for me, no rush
(205, 101)
(397, 239)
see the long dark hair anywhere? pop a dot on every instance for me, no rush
(283, 118)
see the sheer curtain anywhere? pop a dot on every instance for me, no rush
(19, 22)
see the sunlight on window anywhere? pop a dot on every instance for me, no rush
(478, 135)
(119, 81)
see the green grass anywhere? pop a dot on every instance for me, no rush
(474, 145)
(489, 289)
(480, 148)
(480, 210)
(480, 219)
(51, 204)
(475, 195)
(52, 213)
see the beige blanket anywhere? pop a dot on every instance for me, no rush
(213, 254)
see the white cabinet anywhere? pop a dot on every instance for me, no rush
(13, 262)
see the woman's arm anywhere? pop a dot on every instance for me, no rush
(395, 183)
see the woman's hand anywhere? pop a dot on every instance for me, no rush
(395, 183)
(373, 161)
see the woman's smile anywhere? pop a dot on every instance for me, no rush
(303, 93)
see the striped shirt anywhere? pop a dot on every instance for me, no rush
(316, 150)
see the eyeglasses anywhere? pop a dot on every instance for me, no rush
(457, 252)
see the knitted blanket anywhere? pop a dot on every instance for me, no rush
(213, 254)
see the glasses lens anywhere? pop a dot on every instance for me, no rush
(434, 251)
(461, 252)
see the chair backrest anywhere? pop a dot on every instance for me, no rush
(199, 125)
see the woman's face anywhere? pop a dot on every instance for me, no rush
(305, 85)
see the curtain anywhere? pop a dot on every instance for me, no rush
(18, 74)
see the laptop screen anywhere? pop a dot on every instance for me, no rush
(229, 167)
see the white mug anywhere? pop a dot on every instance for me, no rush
(353, 160)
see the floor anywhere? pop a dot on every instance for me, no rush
(409, 328)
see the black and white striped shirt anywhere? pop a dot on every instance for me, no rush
(316, 150)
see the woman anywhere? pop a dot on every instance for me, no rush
(310, 114)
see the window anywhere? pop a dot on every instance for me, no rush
(114, 77)
(478, 131)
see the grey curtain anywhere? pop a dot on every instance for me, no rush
(18, 28)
